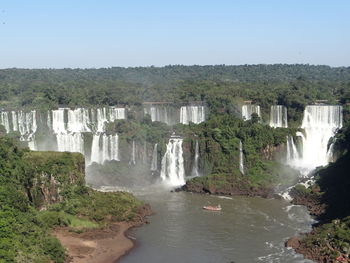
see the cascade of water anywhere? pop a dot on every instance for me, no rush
(278, 116)
(78, 120)
(172, 170)
(292, 152)
(116, 114)
(248, 110)
(133, 153)
(49, 120)
(158, 113)
(14, 121)
(241, 157)
(320, 123)
(95, 149)
(114, 143)
(101, 119)
(73, 142)
(195, 114)
(58, 123)
(104, 148)
(4, 118)
(195, 171)
(24, 122)
(154, 163)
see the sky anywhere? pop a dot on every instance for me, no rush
(128, 33)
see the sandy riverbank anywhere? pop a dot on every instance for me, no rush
(98, 245)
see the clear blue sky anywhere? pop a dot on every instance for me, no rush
(104, 33)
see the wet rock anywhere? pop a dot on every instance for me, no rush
(293, 242)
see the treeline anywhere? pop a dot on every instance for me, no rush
(220, 86)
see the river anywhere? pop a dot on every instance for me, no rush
(246, 230)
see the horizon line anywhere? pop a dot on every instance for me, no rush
(176, 65)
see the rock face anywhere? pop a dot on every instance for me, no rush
(53, 175)
(309, 199)
(293, 242)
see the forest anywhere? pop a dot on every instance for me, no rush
(221, 87)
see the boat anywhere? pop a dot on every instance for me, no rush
(212, 208)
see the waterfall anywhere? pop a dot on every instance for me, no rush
(78, 120)
(23, 122)
(154, 163)
(195, 171)
(104, 148)
(158, 113)
(195, 114)
(58, 123)
(73, 142)
(320, 122)
(68, 126)
(241, 158)
(172, 170)
(248, 110)
(133, 153)
(4, 118)
(292, 152)
(14, 121)
(278, 116)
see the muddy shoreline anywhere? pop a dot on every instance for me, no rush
(103, 245)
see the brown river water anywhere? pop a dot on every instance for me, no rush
(246, 230)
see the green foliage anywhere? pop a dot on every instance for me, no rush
(222, 87)
(219, 145)
(24, 178)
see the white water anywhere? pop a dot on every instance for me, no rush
(104, 148)
(292, 152)
(195, 114)
(278, 116)
(154, 163)
(68, 127)
(320, 122)
(248, 110)
(241, 158)
(133, 153)
(158, 113)
(23, 122)
(195, 171)
(172, 170)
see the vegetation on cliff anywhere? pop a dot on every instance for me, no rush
(54, 183)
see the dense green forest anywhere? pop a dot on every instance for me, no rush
(42, 190)
(221, 87)
(25, 232)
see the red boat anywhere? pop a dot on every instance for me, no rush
(212, 208)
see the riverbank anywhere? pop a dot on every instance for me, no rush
(327, 199)
(103, 245)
